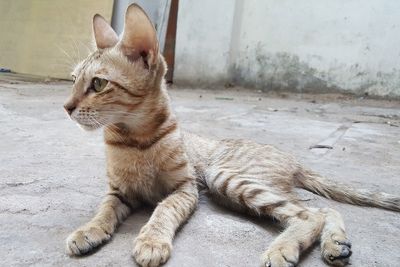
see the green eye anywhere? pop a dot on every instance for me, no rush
(99, 84)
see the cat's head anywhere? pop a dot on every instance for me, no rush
(119, 82)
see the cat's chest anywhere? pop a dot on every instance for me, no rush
(135, 174)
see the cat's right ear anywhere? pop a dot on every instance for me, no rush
(139, 38)
(104, 35)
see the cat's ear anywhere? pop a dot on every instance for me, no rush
(139, 38)
(104, 35)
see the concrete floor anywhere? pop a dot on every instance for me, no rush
(52, 174)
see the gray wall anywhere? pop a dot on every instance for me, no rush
(313, 45)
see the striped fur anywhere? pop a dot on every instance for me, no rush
(150, 160)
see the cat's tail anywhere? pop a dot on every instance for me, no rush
(346, 193)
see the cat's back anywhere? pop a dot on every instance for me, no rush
(232, 153)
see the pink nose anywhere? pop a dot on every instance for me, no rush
(69, 108)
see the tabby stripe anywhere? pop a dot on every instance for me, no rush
(143, 145)
(187, 195)
(126, 90)
(179, 184)
(269, 208)
(289, 261)
(235, 154)
(176, 207)
(254, 193)
(302, 214)
(213, 150)
(219, 174)
(242, 153)
(128, 105)
(301, 246)
(225, 184)
(242, 197)
(160, 117)
(242, 183)
(121, 198)
(178, 166)
(226, 159)
(246, 168)
(255, 173)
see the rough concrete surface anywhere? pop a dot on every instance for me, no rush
(52, 174)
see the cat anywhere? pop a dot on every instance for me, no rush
(120, 87)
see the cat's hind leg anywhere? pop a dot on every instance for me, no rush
(303, 225)
(99, 230)
(335, 246)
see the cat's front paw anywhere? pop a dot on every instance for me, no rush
(281, 256)
(151, 252)
(86, 239)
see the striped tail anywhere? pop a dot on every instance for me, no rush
(345, 193)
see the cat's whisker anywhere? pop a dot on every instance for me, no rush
(71, 60)
(89, 50)
(115, 134)
(123, 114)
(76, 49)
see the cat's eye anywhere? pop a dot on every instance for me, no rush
(73, 78)
(98, 84)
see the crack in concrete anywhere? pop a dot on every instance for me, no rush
(23, 211)
(324, 146)
(16, 184)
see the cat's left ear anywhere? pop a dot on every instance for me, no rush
(139, 38)
(104, 35)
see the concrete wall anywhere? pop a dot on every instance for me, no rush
(47, 37)
(203, 41)
(323, 46)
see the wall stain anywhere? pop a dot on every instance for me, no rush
(283, 71)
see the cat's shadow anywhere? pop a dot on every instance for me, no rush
(132, 225)
(139, 217)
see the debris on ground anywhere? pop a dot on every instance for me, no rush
(321, 146)
(224, 98)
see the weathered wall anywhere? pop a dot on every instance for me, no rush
(202, 46)
(323, 46)
(46, 37)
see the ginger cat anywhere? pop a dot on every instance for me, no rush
(121, 87)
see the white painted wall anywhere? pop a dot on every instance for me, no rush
(313, 45)
(203, 41)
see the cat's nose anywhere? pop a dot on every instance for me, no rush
(69, 107)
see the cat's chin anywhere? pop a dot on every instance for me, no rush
(88, 128)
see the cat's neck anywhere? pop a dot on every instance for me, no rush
(155, 125)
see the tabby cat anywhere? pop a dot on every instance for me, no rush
(150, 159)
